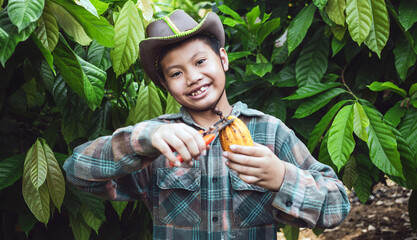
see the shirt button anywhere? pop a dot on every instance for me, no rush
(215, 219)
(288, 203)
(214, 180)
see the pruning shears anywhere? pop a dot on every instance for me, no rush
(209, 134)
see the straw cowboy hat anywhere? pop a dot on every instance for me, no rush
(173, 28)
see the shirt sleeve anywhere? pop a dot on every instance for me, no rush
(115, 167)
(311, 195)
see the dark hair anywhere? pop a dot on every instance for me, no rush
(211, 41)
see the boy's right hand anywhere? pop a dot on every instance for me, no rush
(185, 140)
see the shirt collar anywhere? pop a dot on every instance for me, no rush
(239, 108)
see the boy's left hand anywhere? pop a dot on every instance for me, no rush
(256, 165)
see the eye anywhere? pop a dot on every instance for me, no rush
(201, 61)
(175, 74)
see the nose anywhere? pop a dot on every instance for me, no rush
(193, 76)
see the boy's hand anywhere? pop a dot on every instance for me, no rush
(256, 165)
(179, 137)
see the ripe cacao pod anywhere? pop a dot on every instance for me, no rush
(236, 133)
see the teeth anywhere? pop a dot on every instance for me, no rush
(202, 89)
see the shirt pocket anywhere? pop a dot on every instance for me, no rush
(252, 205)
(179, 196)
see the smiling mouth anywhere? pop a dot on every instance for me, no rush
(199, 91)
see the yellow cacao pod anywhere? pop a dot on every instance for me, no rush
(236, 133)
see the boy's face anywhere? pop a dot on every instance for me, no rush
(195, 75)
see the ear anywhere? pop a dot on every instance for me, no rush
(162, 81)
(224, 59)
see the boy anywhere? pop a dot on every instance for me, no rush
(213, 194)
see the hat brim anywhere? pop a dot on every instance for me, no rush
(151, 48)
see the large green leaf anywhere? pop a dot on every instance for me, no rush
(11, 170)
(312, 104)
(129, 32)
(320, 3)
(36, 166)
(67, 22)
(360, 122)
(412, 90)
(341, 142)
(55, 178)
(350, 174)
(14, 36)
(311, 90)
(359, 19)
(148, 104)
(79, 227)
(172, 105)
(379, 32)
(299, 26)
(99, 55)
(381, 86)
(3, 36)
(394, 114)
(363, 184)
(94, 83)
(96, 28)
(146, 7)
(24, 12)
(404, 57)
(320, 127)
(312, 62)
(36, 199)
(47, 30)
(336, 11)
(266, 29)
(90, 218)
(382, 145)
(285, 77)
(88, 6)
(291, 232)
(72, 131)
(100, 6)
(225, 9)
(408, 128)
(119, 207)
(407, 12)
(46, 53)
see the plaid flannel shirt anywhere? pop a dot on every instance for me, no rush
(209, 200)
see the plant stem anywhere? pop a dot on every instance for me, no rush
(342, 75)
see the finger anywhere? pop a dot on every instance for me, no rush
(248, 179)
(257, 150)
(198, 140)
(243, 169)
(190, 142)
(241, 159)
(180, 147)
(169, 155)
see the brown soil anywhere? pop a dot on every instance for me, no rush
(383, 217)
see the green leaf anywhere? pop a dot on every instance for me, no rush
(9, 44)
(382, 145)
(341, 142)
(394, 114)
(69, 23)
(3, 36)
(119, 207)
(404, 57)
(99, 55)
(408, 128)
(339, 32)
(381, 86)
(55, 179)
(92, 202)
(236, 55)
(94, 83)
(379, 32)
(261, 69)
(350, 174)
(72, 131)
(36, 199)
(413, 89)
(320, 4)
(88, 6)
(11, 170)
(360, 122)
(172, 105)
(148, 104)
(286, 77)
(36, 165)
(90, 218)
(312, 62)
(129, 32)
(320, 127)
(338, 45)
(24, 12)
(363, 184)
(407, 12)
(359, 19)
(26, 222)
(297, 29)
(100, 6)
(266, 29)
(96, 28)
(312, 104)
(47, 30)
(46, 54)
(146, 7)
(225, 9)
(324, 156)
(336, 11)
(311, 90)
(252, 15)
(291, 232)
(79, 227)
